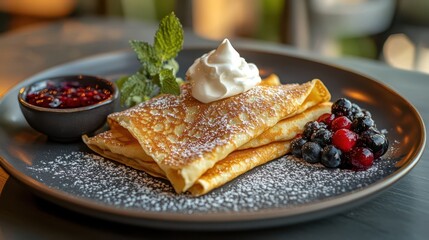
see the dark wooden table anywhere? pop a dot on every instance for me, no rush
(401, 212)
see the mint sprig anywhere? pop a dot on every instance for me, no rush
(158, 66)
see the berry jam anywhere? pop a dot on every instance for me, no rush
(67, 95)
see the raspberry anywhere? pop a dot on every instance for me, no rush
(344, 139)
(326, 118)
(340, 123)
(361, 158)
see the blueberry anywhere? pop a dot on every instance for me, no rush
(356, 111)
(322, 137)
(322, 125)
(311, 152)
(331, 156)
(377, 143)
(355, 108)
(366, 113)
(365, 135)
(296, 146)
(342, 107)
(345, 161)
(357, 115)
(55, 103)
(372, 130)
(310, 128)
(361, 124)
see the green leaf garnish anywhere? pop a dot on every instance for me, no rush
(158, 66)
(168, 82)
(136, 89)
(147, 56)
(169, 37)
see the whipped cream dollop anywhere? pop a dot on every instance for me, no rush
(221, 73)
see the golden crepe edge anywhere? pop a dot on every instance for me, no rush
(111, 149)
(236, 164)
(287, 128)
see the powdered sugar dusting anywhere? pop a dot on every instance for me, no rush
(285, 182)
(192, 130)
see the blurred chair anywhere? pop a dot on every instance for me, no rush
(322, 25)
(408, 44)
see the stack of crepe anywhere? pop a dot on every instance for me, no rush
(199, 147)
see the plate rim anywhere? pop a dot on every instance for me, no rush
(320, 207)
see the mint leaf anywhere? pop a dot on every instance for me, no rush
(147, 56)
(171, 64)
(167, 82)
(169, 37)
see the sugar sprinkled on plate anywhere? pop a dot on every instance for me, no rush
(285, 182)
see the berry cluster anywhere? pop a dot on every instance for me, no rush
(346, 138)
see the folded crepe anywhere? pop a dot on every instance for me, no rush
(119, 145)
(189, 142)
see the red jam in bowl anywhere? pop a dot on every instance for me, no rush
(70, 94)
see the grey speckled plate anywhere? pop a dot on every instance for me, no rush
(283, 191)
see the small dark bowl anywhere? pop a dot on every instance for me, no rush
(68, 124)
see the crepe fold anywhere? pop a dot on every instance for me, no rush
(196, 146)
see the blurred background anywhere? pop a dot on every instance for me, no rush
(392, 31)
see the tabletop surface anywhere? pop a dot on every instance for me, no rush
(400, 212)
